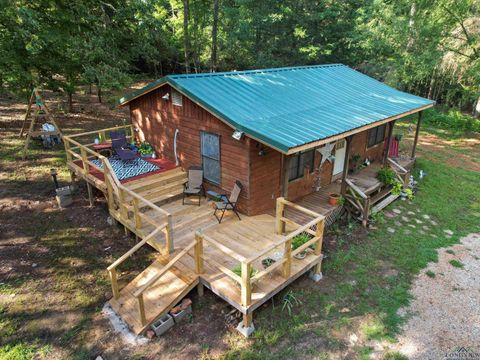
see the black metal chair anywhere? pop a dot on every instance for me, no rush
(120, 146)
(229, 203)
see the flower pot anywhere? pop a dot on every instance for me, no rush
(333, 198)
(301, 255)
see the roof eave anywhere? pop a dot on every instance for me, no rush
(343, 135)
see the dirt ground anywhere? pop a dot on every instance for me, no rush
(52, 261)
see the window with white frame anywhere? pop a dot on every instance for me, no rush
(210, 150)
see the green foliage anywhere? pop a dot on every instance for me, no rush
(452, 119)
(397, 188)
(430, 274)
(299, 240)
(387, 176)
(456, 263)
(237, 269)
(289, 301)
(145, 148)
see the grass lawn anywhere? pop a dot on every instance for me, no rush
(52, 309)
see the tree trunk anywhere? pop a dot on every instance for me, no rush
(476, 109)
(213, 60)
(99, 93)
(186, 38)
(411, 26)
(70, 101)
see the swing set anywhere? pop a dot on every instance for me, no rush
(38, 114)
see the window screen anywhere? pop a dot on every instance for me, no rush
(210, 147)
(299, 162)
(177, 98)
(376, 135)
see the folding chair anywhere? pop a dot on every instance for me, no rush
(229, 203)
(120, 146)
(194, 186)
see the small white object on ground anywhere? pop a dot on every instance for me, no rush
(110, 221)
(391, 230)
(448, 232)
(120, 327)
(397, 211)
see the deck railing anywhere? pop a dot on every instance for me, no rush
(403, 175)
(246, 280)
(124, 204)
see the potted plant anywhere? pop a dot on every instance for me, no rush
(387, 176)
(145, 149)
(333, 198)
(298, 241)
(237, 270)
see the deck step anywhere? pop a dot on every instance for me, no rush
(384, 203)
(156, 181)
(160, 298)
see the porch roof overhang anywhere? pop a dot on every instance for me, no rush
(294, 109)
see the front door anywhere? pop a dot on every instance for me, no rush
(340, 148)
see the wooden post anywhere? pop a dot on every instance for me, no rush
(279, 224)
(123, 209)
(136, 214)
(343, 187)
(246, 284)
(29, 135)
(109, 185)
(113, 279)
(318, 246)
(287, 265)
(366, 210)
(90, 193)
(247, 320)
(389, 141)
(198, 253)
(285, 174)
(169, 234)
(417, 131)
(141, 308)
(86, 166)
(67, 150)
(29, 109)
(200, 289)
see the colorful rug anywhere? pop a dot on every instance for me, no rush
(127, 169)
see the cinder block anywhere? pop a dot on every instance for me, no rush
(64, 200)
(163, 324)
(181, 314)
(64, 191)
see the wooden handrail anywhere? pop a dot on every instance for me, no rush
(98, 131)
(400, 167)
(223, 269)
(130, 252)
(164, 270)
(300, 208)
(356, 189)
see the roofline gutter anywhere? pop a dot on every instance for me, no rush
(343, 135)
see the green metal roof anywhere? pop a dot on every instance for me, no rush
(289, 107)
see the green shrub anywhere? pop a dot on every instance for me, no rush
(451, 119)
(238, 271)
(387, 176)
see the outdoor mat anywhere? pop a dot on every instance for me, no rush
(127, 169)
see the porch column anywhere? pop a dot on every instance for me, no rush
(343, 188)
(389, 141)
(285, 174)
(417, 131)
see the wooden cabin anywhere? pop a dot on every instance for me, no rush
(288, 135)
(283, 118)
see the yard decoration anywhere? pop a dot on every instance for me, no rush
(326, 152)
(50, 132)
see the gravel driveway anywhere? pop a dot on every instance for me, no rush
(446, 306)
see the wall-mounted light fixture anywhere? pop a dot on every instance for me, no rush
(237, 134)
(166, 97)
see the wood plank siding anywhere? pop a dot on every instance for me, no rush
(261, 175)
(157, 120)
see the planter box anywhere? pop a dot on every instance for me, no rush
(162, 325)
(182, 314)
(64, 191)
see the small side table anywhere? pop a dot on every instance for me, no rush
(103, 147)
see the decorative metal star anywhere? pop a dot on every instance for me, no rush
(326, 152)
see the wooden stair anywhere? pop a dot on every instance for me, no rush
(160, 187)
(384, 203)
(159, 299)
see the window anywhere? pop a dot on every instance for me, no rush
(177, 98)
(210, 149)
(298, 162)
(376, 135)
